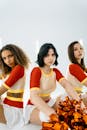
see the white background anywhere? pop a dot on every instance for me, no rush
(30, 23)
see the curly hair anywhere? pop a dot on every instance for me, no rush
(19, 56)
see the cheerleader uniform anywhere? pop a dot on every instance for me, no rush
(46, 84)
(76, 76)
(13, 102)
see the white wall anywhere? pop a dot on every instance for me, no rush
(24, 22)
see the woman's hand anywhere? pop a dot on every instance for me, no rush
(84, 108)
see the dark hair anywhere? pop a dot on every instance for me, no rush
(19, 55)
(72, 57)
(44, 51)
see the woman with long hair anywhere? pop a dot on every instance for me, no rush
(77, 71)
(13, 63)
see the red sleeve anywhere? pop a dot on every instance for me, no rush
(77, 71)
(58, 74)
(35, 78)
(16, 74)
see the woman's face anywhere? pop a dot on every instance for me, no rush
(78, 51)
(50, 58)
(8, 58)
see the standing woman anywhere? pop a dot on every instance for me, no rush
(77, 71)
(13, 62)
(43, 82)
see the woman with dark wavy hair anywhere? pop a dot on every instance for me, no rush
(13, 63)
(43, 82)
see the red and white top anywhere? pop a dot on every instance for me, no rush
(45, 83)
(15, 83)
(76, 76)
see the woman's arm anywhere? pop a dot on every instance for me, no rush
(78, 73)
(85, 83)
(15, 75)
(2, 90)
(40, 103)
(71, 92)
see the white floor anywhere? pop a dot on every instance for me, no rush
(27, 127)
(31, 127)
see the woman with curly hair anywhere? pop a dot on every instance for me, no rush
(13, 63)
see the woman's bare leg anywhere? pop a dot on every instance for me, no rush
(2, 116)
(34, 118)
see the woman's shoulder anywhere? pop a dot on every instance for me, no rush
(20, 66)
(36, 70)
(56, 69)
(18, 69)
(74, 66)
(75, 69)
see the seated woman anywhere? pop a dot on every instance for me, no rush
(42, 83)
(77, 72)
(13, 62)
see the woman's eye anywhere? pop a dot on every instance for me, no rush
(3, 58)
(75, 49)
(53, 54)
(81, 48)
(10, 56)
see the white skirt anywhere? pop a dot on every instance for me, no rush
(14, 116)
